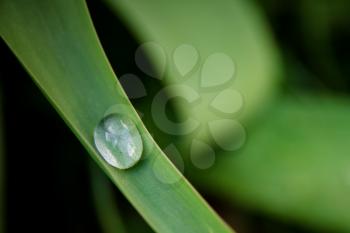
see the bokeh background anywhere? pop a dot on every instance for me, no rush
(48, 186)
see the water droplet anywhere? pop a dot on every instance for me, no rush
(118, 141)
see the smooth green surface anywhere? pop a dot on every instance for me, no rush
(57, 44)
(108, 212)
(295, 164)
(232, 28)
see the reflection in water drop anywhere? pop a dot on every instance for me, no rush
(118, 141)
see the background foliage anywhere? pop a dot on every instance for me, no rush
(291, 176)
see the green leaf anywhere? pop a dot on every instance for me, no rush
(295, 164)
(105, 203)
(234, 28)
(57, 44)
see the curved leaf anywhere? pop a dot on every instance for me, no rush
(57, 44)
(295, 164)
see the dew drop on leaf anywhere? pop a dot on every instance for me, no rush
(118, 141)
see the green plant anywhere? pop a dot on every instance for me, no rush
(294, 164)
(67, 62)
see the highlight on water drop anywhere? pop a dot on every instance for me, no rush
(118, 141)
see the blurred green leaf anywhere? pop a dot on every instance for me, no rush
(57, 44)
(105, 203)
(295, 164)
(231, 27)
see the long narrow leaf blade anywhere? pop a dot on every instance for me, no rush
(57, 44)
